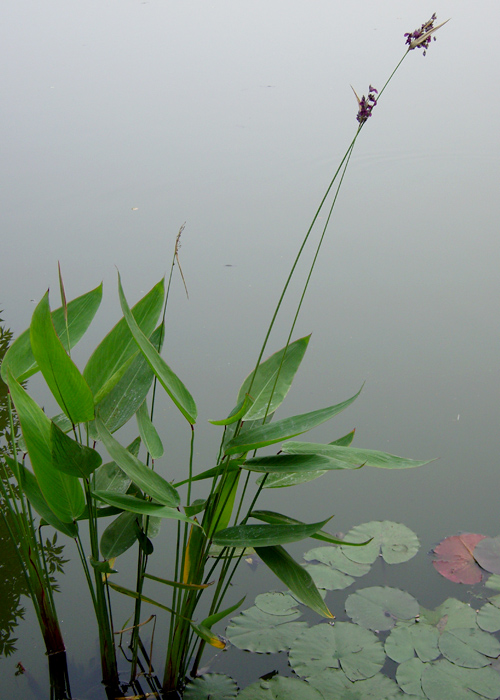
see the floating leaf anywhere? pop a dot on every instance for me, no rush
(276, 603)
(468, 647)
(210, 686)
(335, 684)
(378, 608)
(488, 617)
(328, 579)
(487, 554)
(406, 640)
(450, 615)
(409, 677)
(442, 680)
(278, 688)
(257, 631)
(335, 558)
(455, 558)
(395, 542)
(355, 650)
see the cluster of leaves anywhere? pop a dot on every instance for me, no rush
(447, 652)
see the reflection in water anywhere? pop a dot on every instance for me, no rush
(27, 566)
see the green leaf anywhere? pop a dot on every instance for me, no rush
(271, 433)
(236, 414)
(19, 358)
(210, 621)
(442, 680)
(334, 558)
(269, 516)
(208, 636)
(145, 599)
(333, 683)
(345, 440)
(179, 584)
(281, 481)
(352, 456)
(468, 647)
(294, 576)
(170, 382)
(119, 536)
(70, 456)
(211, 686)
(63, 378)
(292, 464)
(103, 566)
(278, 688)
(118, 347)
(269, 385)
(379, 607)
(265, 535)
(406, 640)
(62, 492)
(30, 486)
(121, 403)
(264, 633)
(148, 480)
(395, 542)
(276, 603)
(355, 650)
(139, 505)
(148, 432)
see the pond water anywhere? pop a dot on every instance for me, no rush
(127, 119)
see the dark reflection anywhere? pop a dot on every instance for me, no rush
(16, 568)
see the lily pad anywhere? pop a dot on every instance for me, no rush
(378, 608)
(278, 688)
(442, 680)
(455, 559)
(327, 578)
(335, 684)
(355, 650)
(409, 677)
(396, 543)
(211, 685)
(255, 630)
(276, 603)
(449, 615)
(487, 554)
(469, 647)
(406, 640)
(335, 558)
(488, 618)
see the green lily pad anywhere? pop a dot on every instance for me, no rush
(449, 615)
(378, 608)
(257, 631)
(488, 617)
(335, 684)
(327, 578)
(396, 543)
(468, 647)
(209, 686)
(408, 639)
(355, 650)
(276, 603)
(409, 677)
(335, 558)
(443, 680)
(278, 688)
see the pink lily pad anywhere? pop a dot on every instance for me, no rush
(487, 554)
(455, 560)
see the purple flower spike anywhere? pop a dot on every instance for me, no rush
(421, 38)
(366, 104)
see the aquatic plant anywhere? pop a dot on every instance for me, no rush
(68, 485)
